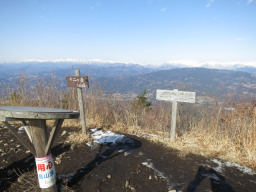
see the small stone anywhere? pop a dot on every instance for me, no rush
(172, 190)
(132, 189)
(126, 153)
(11, 140)
(63, 133)
(21, 179)
(57, 161)
(27, 151)
(156, 178)
(126, 184)
(18, 146)
(109, 176)
(72, 146)
(6, 145)
(1, 141)
(150, 177)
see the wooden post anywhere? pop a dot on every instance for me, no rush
(39, 140)
(175, 96)
(173, 125)
(81, 105)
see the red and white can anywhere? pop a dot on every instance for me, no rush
(45, 171)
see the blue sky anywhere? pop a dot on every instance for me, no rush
(189, 32)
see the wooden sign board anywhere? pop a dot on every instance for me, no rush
(77, 81)
(175, 95)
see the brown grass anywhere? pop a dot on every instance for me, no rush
(212, 132)
(78, 138)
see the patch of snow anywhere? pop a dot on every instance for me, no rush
(21, 129)
(127, 153)
(212, 176)
(221, 165)
(158, 173)
(252, 181)
(89, 144)
(108, 137)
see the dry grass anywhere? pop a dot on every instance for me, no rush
(78, 138)
(26, 182)
(211, 132)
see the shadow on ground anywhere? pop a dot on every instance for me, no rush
(104, 153)
(218, 182)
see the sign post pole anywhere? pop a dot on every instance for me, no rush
(174, 115)
(175, 96)
(79, 82)
(81, 105)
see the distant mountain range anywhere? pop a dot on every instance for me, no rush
(124, 78)
(206, 82)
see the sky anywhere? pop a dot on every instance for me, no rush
(147, 32)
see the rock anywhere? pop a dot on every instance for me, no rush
(21, 179)
(18, 146)
(6, 145)
(63, 133)
(109, 176)
(126, 153)
(72, 146)
(4, 161)
(172, 190)
(17, 150)
(27, 151)
(126, 184)
(150, 177)
(132, 189)
(1, 141)
(11, 140)
(57, 161)
(3, 154)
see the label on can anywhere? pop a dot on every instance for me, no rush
(45, 171)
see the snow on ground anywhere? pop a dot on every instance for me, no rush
(160, 174)
(108, 137)
(222, 165)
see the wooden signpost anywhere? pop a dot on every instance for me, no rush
(79, 82)
(175, 96)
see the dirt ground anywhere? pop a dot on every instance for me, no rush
(134, 165)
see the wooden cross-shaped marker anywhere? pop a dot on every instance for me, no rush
(79, 82)
(175, 96)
